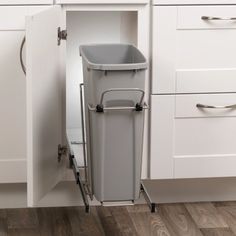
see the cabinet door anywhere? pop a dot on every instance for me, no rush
(13, 109)
(188, 141)
(44, 103)
(13, 94)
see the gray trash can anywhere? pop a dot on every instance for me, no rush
(114, 84)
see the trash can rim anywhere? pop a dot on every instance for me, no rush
(113, 67)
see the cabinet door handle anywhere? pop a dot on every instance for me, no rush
(217, 18)
(21, 56)
(199, 105)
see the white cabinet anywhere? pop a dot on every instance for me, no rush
(25, 2)
(192, 142)
(52, 69)
(39, 107)
(191, 54)
(193, 63)
(13, 94)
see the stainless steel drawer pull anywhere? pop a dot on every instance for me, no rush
(216, 107)
(217, 18)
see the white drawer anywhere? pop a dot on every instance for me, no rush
(190, 17)
(192, 2)
(191, 55)
(189, 106)
(13, 17)
(188, 142)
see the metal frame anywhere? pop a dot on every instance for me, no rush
(83, 132)
(84, 184)
(139, 106)
(123, 90)
(145, 107)
(152, 205)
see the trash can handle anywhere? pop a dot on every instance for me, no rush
(123, 90)
(144, 107)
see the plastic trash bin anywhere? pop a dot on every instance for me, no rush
(114, 85)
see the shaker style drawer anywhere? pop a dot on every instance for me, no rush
(194, 49)
(206, 17)
(193, 136)
(205, 106)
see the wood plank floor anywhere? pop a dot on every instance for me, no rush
(190, 219)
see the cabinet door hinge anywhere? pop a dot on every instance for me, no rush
(61, 35)
(62, 151)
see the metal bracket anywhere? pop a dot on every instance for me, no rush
(61, 35)
(152, 205)
(82, 184)
(62, 151)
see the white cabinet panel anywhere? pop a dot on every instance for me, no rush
(13, 17)
(191, 17)
(12, 98)
(205, 166)
(12, 95)
(44, 103)
(162, 130)
(191, 142)
(13, 171)
(102, 2)
(193, 2)
(203, 80)
(25, 2)
(163, 49)
(191, 55)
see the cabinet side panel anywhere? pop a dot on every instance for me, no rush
(162, 128)
(164, 49)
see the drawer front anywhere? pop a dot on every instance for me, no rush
(191, 55)
(192, 2)
(191, 142)
(204, 131)
(205, 106)
(13, 17)
(206, 17)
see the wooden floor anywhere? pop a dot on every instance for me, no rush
(200, 219)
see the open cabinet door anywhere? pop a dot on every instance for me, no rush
(44, 103)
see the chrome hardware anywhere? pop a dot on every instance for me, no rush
(61, 35)
(123, 90)
(62, 150)
(21, 56)
(216, 107)
(76, 143)
(83, 132)
(91, 108)
(217, 18)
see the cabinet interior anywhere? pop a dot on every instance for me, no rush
(88, 27)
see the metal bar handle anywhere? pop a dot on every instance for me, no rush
(123, 90)
(216, 107)
(21, 56)
(145, 107)
(218, 18)
(83, 131)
